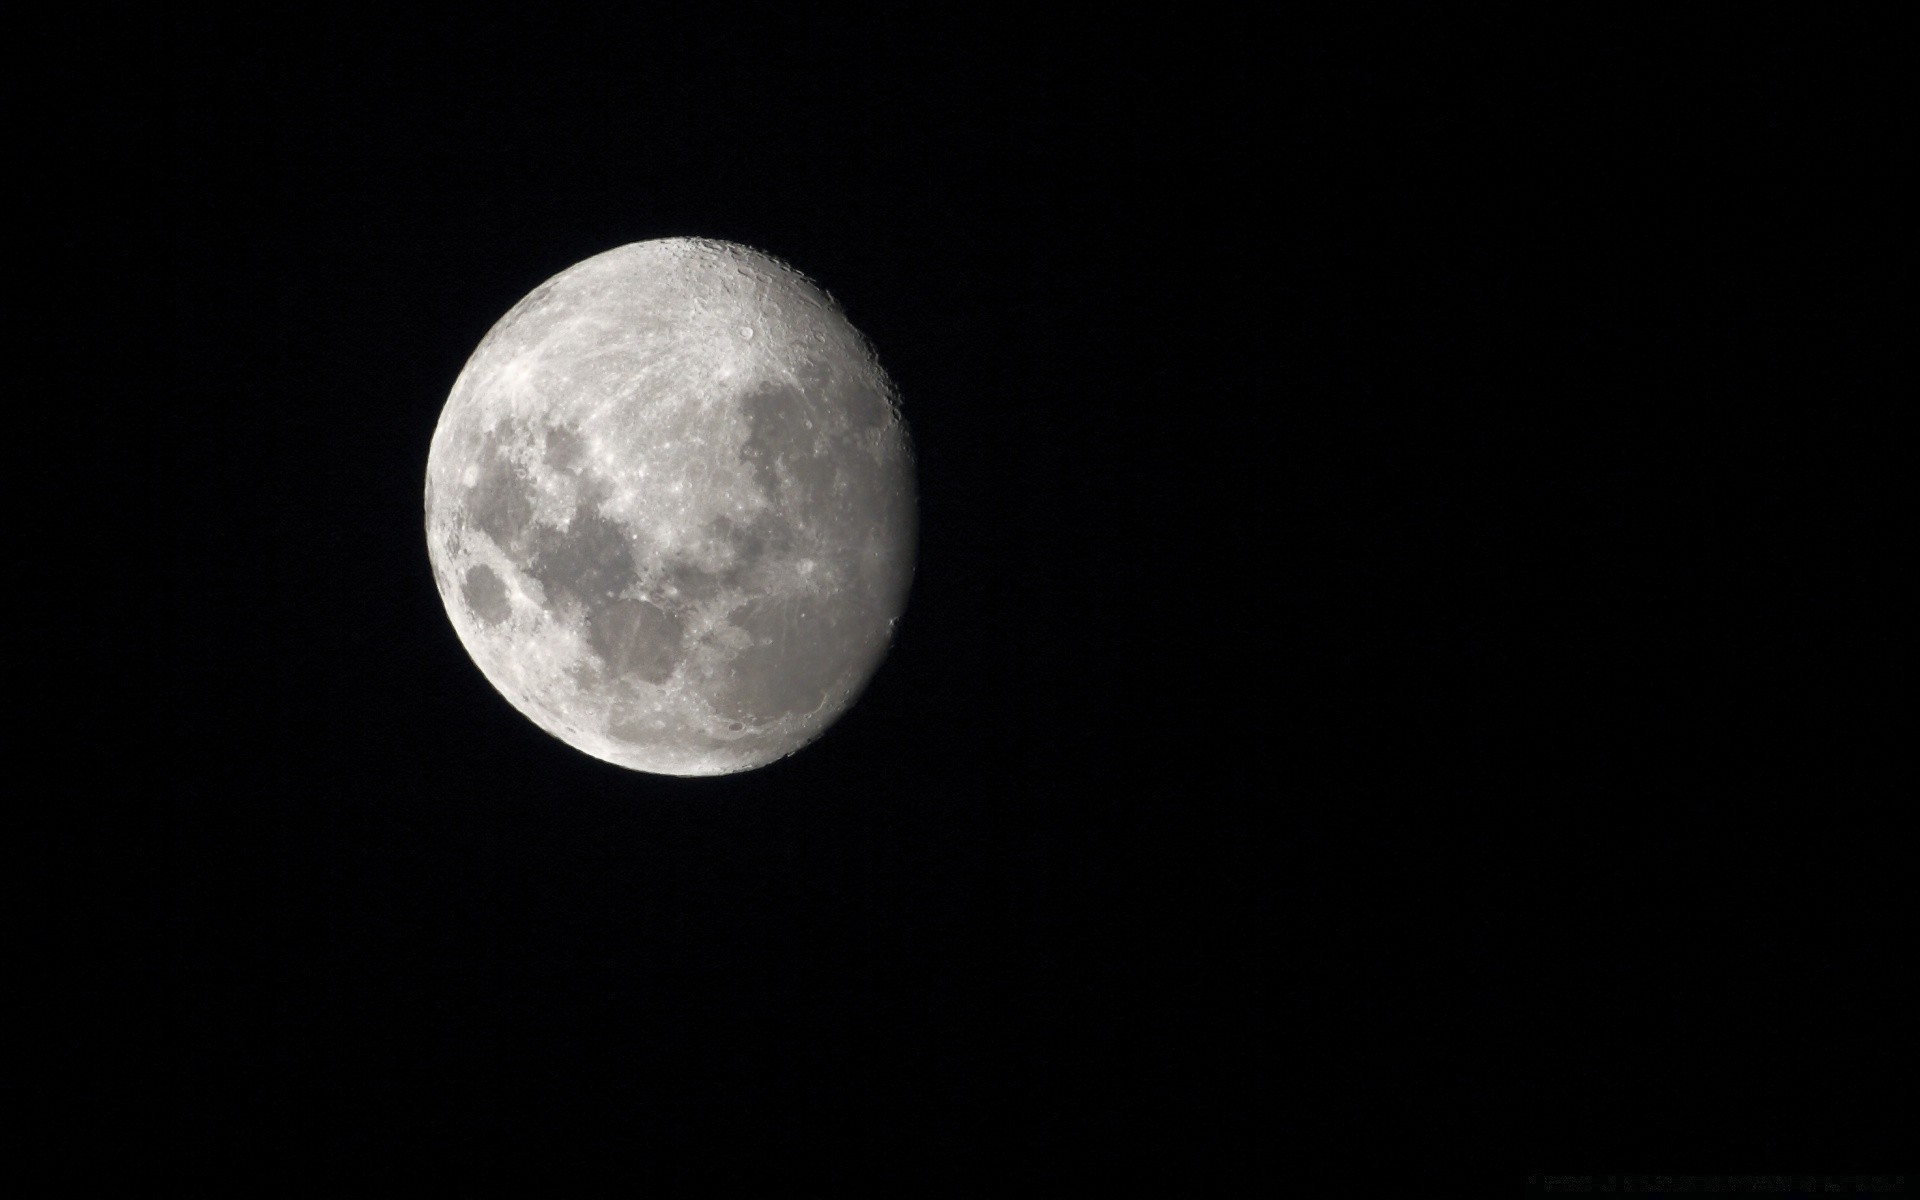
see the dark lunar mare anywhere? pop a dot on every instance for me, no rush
(485, 595)
(590, 561)
(807, 458)
(635, 637)
(500, 503)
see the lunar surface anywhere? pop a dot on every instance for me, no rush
(670, 508)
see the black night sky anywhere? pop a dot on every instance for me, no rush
(1387, 680)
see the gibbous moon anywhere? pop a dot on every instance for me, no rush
(670, 508)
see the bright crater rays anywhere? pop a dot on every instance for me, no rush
(670, 508)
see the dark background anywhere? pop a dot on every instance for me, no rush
(1383, 487)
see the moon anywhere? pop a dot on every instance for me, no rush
(670, 508)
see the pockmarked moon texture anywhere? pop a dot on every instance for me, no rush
(670, 508)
